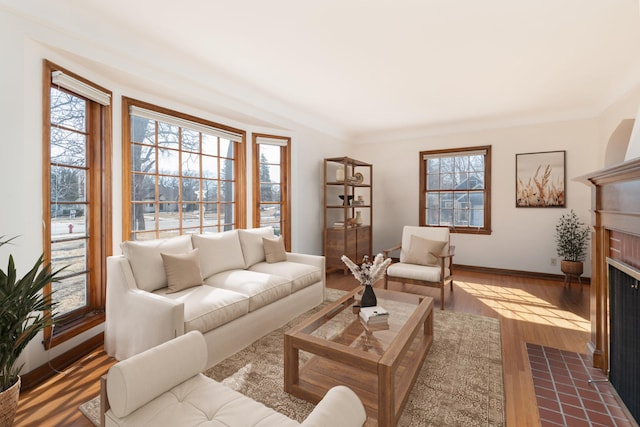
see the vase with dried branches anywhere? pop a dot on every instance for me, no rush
(367, 274)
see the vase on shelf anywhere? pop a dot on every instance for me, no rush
(358, 218)
(368, 297)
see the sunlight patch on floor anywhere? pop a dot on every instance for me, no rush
(519, 304)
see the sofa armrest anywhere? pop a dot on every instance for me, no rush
(134, 382)
(340, 407)
(135, 319)
(315, 260)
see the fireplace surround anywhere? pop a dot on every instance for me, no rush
(615, 218)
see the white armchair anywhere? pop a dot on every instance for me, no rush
(426, 258)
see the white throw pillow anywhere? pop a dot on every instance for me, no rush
(218, 252)
(146, 262)
(183, 270)
(251, 242)
(274, 250)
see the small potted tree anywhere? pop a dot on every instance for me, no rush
(572, 236)
(24, 311)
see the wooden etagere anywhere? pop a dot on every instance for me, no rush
(353, 180)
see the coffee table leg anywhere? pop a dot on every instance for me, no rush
(386, 397)
(291, 367)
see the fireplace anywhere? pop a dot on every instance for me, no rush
(615, 266)
(624, 333)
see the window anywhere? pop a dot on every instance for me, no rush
(183, 174)
(455, 189)
(271, 171)
(76, 198)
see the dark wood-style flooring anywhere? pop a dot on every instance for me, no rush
(530, 310)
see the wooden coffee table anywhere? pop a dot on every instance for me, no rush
(378, 362)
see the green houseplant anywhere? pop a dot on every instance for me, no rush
(572, 236)
(24, 311)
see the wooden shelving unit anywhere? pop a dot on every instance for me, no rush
(353, 180)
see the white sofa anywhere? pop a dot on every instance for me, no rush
(163, 386)
(243, 297)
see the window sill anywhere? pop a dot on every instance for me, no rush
(62, 333)
(470, 231)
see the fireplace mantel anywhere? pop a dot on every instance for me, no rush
(615, 218)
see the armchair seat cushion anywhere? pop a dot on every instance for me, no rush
(206, 307)
(261, 289)
(415, 272)
(301, 275)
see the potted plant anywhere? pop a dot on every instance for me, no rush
(572, 236)
(24, 311)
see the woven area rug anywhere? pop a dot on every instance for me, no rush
(460, 384)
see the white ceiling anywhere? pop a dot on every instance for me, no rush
(381, 66)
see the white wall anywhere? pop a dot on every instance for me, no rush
(613, 118)
(142, 76)
(522, 238)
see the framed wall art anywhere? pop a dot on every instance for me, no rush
(540, 179)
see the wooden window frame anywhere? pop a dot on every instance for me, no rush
(240, 217)
(99, 191)
(486, 229)
(285, 180)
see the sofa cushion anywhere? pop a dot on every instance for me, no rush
(415, 271)
(274, 250)
(251, 242)
(146, 262)
(218, 252)
(183, 270)
(203, 401)
(421, 250)
(206, 307)
(301, 275)
(261, 288)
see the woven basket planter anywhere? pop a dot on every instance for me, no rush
(573, 268)
(9, 404)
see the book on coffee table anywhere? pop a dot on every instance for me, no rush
(374, 314)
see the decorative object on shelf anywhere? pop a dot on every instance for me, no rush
(340, 174)
(23, 316)
(358, 219)
(359, 200)
(367, 274)
(358, 178)
(572, 236)
(540, 179)
(349, 199)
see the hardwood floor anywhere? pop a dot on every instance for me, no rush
(530, 310)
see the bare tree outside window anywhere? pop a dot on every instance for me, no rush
(271, 184)
(77, 191)
(182, 179)
(68, 199)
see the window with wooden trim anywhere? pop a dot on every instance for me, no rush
(455, 189)
(182, 174)
(77, 198)
(271, 172)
